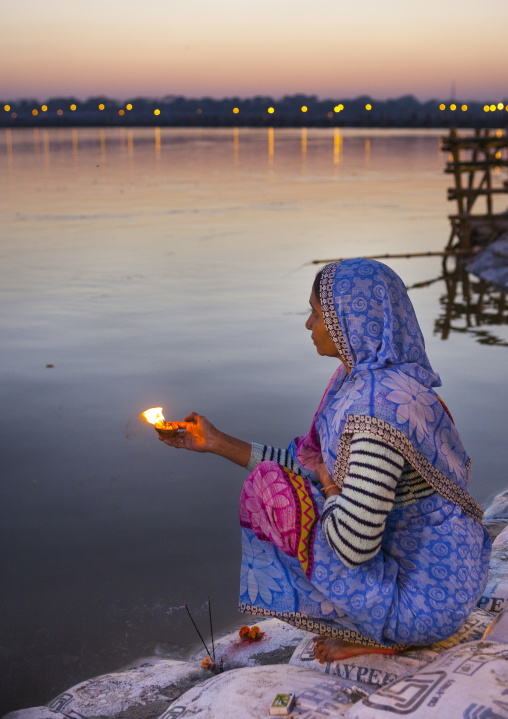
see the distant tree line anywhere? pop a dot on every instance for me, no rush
(260, 111)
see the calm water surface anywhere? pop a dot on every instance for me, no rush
(169, 268)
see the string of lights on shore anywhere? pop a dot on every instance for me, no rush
(236, 110)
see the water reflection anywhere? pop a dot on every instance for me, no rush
(337, 146)
(36, 142)
(471, 306)
(236, 144)
(157, 143)
(45, 144)
(304, 147)
(271, 149)
(468, 306)
(75, 145)
(122, 139)
(61, 133)
(102, 139)
(8, 143)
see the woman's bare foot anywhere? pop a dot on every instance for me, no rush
(328, 649)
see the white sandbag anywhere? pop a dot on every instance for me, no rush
(495, 526)
(35, 713)
(381, 669)
(495, 594)
(275, 647)
(138, 693)
(247, 693)
(467, 681)
(501, 537)
(142, 663)
(495, 517)
(498, 629)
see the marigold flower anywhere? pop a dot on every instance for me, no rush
(255, 633)
(205, 664)
(244, 632)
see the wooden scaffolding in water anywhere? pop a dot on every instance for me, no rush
(478, 164)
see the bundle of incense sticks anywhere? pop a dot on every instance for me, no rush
(212, 664)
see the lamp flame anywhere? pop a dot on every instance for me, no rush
(153, 415)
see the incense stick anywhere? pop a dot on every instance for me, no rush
(195, 627)
(211, 628)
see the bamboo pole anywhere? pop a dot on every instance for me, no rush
(402, 255)
(489, 157)
(466, 192)
(470, 166)
(455, 149)
(470, 200)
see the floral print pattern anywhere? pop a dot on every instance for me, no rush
(420, 588)
(259, 578)
(343, 405)
(267, 508)
(366, 308)
(432, 565)
(414, 403)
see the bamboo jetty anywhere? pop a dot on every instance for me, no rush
(476, 162)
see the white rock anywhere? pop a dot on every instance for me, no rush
(501, 537)
(467, 681)
(495, 517)
(381, 669)
(275, 647)
(138, 693)
(495, 526)
(495, 594)
(498, 629)
(498, 507)
(35, 713)
(247, 693)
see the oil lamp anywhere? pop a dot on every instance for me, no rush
(154, 416)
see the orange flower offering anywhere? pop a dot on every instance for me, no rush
(206, 663)
(255, 633)
(247, 633)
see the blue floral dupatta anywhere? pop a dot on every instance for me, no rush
(389, 391)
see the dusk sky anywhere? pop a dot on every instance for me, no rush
(126, 48)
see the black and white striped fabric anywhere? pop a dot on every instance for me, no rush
(354, 520)
(378, 480)
(411, 487)
(264, 453)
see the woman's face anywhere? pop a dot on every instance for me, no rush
(316, 324)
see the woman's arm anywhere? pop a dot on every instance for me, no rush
(265, 453)
(324, 476)
(354, 522)
(202, 436)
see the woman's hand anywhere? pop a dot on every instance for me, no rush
(200, 435)
(325, 478)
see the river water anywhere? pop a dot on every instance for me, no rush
(147, 267)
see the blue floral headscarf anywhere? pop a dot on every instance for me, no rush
(389, 392)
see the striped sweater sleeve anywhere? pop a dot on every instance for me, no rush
(264, 453)
(354, 521)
